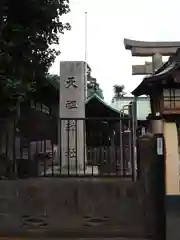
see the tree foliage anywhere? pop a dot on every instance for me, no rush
(28, 28)
(94, 88)
(92, 85)
(54, 80)
(118, 92)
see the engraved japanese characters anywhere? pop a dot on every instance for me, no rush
(72, 113)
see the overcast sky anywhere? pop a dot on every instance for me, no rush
(109, 22)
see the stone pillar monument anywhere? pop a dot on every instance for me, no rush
(72, 115)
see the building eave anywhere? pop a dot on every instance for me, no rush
(101, 101)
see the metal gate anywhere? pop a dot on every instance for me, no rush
(86, 147)
(95, 147)
(91, 191)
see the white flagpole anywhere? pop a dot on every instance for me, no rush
(85, 90)
(85, 55)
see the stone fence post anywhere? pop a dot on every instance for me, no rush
(151, 176)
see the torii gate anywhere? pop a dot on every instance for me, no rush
(156, 50)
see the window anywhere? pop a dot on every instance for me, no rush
(171, 98)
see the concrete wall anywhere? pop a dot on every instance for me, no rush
(84, 207)
(172, 198)
(71, 207)
(172, 182)
(172, 159)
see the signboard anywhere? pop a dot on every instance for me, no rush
(159, 146)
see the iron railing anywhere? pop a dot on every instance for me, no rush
(86, 147)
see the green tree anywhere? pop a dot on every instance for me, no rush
(118, 92)
(93, 87)
(54, 80)
(28, 28)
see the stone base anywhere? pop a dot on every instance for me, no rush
(72, 171)
(80, 171)
(92, 170)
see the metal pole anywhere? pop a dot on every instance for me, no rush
(121, 146)
(85, 57)
(134, 127)
(122, 150)
(85, 95)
